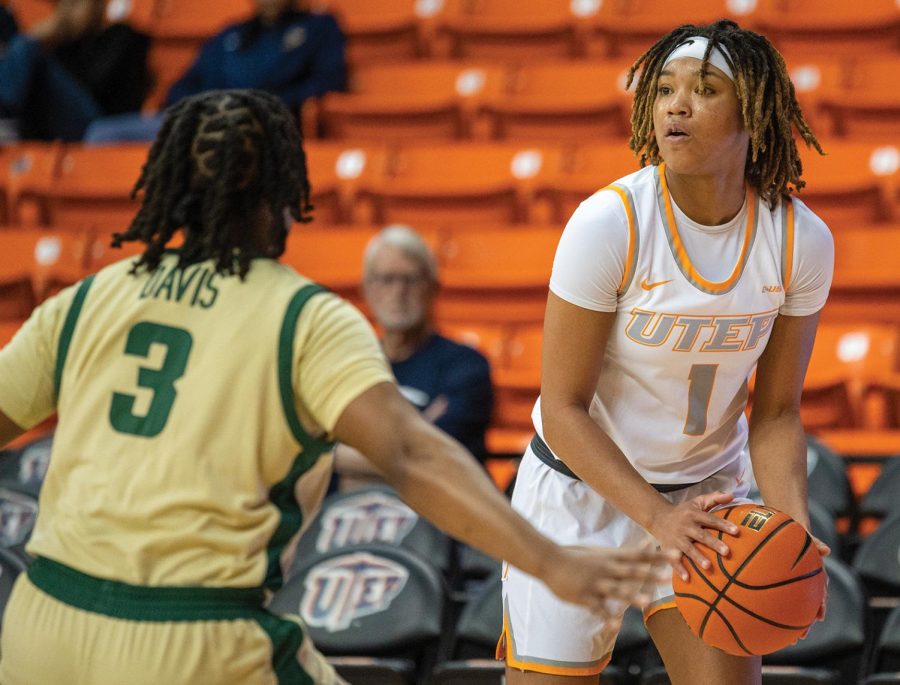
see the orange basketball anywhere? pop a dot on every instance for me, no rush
(761, 597)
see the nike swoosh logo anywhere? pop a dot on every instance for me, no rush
(651, 286)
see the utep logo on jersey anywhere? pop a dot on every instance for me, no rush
(17, 515)
(688, 333)
(341, 590)
(368, 518)
(756, 519)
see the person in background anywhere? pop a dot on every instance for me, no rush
(8, 27)
(449, 383)
(283, 49)
(71, 69)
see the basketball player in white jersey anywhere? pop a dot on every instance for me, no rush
(668, 288)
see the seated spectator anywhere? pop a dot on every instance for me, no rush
(71, 69)
(8, 27)
(290, 52)
(450, 383)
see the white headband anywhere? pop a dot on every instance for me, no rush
(695, 46)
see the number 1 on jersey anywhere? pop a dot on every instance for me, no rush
(161, 381)
(701, 379)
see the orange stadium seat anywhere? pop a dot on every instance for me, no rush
(384, 29)
(866, 286)
(867, 104)
(94, 185)
(35, 263)
(584, 171)
(430, 100)
(496, 275)
(816, 79)
(628, 27)
(338, 172)
(487, 338)
(565, 100)
(852, 184)
(845, 360)
(30, 12)
(830, 27)
(515, 30)
(28, 177)
(518, 385)
(458, 182)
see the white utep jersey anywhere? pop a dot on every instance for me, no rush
(673, 387)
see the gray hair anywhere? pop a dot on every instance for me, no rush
(410, 243)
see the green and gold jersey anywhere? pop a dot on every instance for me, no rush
(189, 403)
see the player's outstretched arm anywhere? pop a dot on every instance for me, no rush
(8, 430)
(574, 347)
(438, 478)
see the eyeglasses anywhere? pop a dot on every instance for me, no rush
(386, 280)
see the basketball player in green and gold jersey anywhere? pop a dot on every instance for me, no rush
(198, 390)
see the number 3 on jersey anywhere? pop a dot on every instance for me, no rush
(161, 381)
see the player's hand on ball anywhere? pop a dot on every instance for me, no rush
(685, 526)
(599, 578)
(825, 551)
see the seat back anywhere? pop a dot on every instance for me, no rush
(337, 173)
(881, 498)
(828, 481)
(416, 100)
(886, 655)
(510, 30)
(878, 559)
(849, 185)
(376, 601)
(375, 515)
(480, 623)
(835, 644)
(26, 466)
(95, 183)
(564, 100)
(461, 182)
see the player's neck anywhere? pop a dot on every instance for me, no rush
(401, 345)
(709, 200)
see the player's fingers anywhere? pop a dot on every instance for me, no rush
(716, 523)
(693, 553)
(704, 537)
(644, 554)
(713, 499)
(821, 547)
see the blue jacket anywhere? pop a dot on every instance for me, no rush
(300, 56)
(461, 374)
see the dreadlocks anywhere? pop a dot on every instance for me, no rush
(221, 159)
(768, 104)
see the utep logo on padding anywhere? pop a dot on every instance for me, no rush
(371, 517)
(33, 464)
(756, 519)
(341, 590)
(17, 514)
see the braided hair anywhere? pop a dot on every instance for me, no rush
(766, 95)
(223, 163)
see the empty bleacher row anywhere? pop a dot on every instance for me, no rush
(856, 184)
